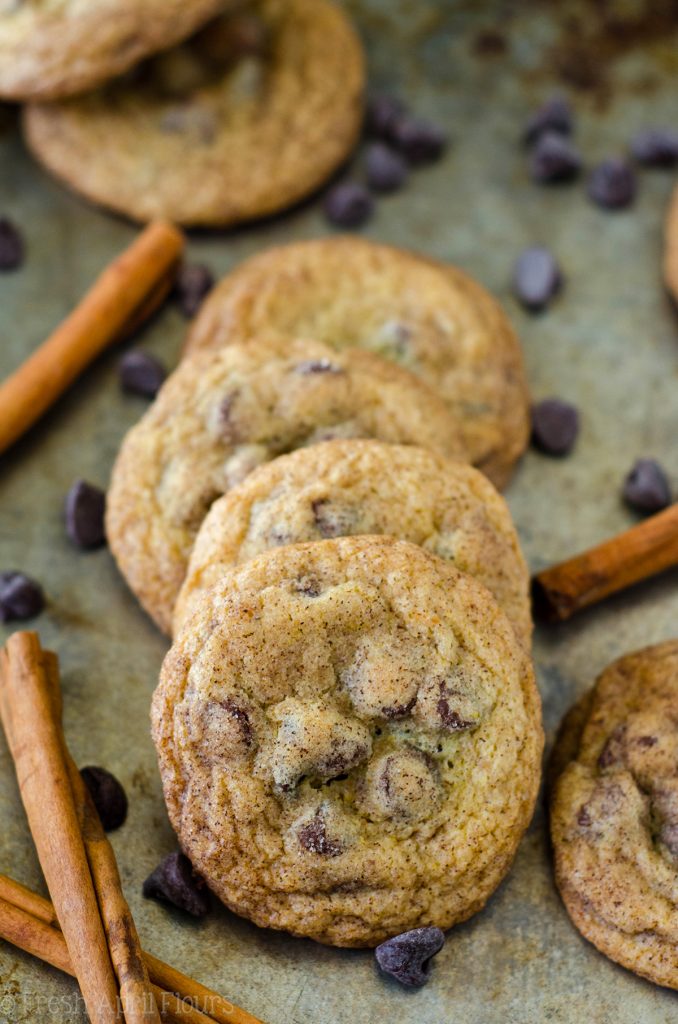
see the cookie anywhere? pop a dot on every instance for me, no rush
(223, 413)
(343, 488)
(671, 247)
(614, 815)
(244, 119)
(349, 739)
(429, 317)
(56, 48)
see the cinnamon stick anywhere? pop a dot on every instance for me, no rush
(128, 289)
(27, 717)
(649, 548)
(136, 996)
(164, 977)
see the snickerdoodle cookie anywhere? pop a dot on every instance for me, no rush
(349, 739)
(614, 816)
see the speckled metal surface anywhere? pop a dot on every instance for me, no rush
(609, 343)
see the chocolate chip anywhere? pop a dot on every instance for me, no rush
(555, 115)
(348, 205)
(450, 718)
(313, 366)
(554, 159)
(174, 881)
(11, 246)
(555, 426)
(240, 716)
(536, 277)
(386, 170)
(84, 512)
(407, 957)
(332, 520)
(314, 838)
(382, 114)
(108, 795)
(583, 817)
(420, 141)
(141, 374)
(612, 184)
(309, 586)
(656, 147)
(194, 281)
(21, 597)
(646, 488)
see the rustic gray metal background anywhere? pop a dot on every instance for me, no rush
(610, 344)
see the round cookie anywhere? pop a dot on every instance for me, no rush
(50, 49)
(246, 118)
(427, 316)
(614, 814)
(223, 413)
(349, 739)
(343, 488)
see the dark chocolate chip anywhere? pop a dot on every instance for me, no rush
(646, 488)
(309, 586)
(555, 426)
(141, 374)
(194, 281)
(348, 205)
(450, 718)
(108, 795)
(84, 512)
(647, 741)
(313, 837)
(174, 881)
(555, 115)
(554, 159)
(239, 715)
(612, 184)
(583, 817)
(656, 147)
(21, 597)
(382, 114)
(11, 246)
(386, 170)
(536, 277)
(420, 141)
(407, 957)
(399, 710)
(332, 520)
(314, 366)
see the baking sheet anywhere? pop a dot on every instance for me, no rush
(610, 343)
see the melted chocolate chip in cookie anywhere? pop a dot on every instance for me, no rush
(333, 520)
(314, 838)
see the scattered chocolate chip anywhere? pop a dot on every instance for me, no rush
(399, 710)
(348, 205)
(450, 718)
(108, 795)
(332, 520)
(554, 159)
(309, 586)
(646, 488)
(584, 818)
(536, 277)
(11, 246)
(555, 115)
(382, 113)
(174, 881)
(194, 281)
(84, 513)
(386, 170)
(555, 426)
(314, 838)
(407, 957)
(656, 147)
(612, 184)
(20, 596)
(313, 366)
(420, 141)
(240, 716)
(647, 741)
(141, 374)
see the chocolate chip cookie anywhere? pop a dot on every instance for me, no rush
(244, 119)
(429, 317)
(614, 816)
(342, 488)
(50, 49)
(223, 413)
(349, 739)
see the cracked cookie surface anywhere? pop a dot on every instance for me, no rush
(427, 316)
(614, 814)
(223, 413)
(56, 48)
(349, 738)
(342, 488)
(242, 120)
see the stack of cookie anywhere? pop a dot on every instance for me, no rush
(347, 723)
(253, 103)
